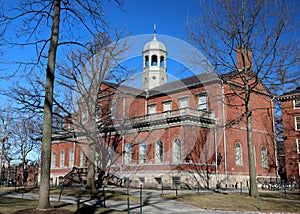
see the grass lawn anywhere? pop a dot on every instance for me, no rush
(269, 201)
(10, 205)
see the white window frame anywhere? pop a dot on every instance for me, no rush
(176, 151)
(113, 109)
(264, 157)
(152, 108)
(202, 101)
(159, 152)
(82, 163)
(53, 160)
(298, 145)
(297, 123)
(111, 154)
(71, 158)
(238, 160)
(296, 103)
(128, 153)
(143, 153)
(62, 159)
(167, 105)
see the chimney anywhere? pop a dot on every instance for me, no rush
(240, 52)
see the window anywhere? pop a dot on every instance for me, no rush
(183, 103)
(128, 153)
(146, 61)
(82, 159)
(98, 113)
(264, 157)
(159, 152)
(71, 158)
(298, 146)
(176, 151)
(143, 149)
(53, 160)
(297, 103)
(113, 109)
(162, 60)
(297, 121)
(111, 154)
(152, 109)
(154, 60)
(62, 159)
(167, 105)
(203, 101)
(238, 154)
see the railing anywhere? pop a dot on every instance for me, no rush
(174, 113)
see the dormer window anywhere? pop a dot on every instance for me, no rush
(167, 105)
(152, 108)
(297, 103)
(202, 101)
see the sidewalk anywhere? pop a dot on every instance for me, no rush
(154, 203)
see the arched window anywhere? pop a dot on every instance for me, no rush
(128, 153)
(162, 61)
(62, 159)
(143, 154)
(154, 60)
(53, 160)
(159, 152)
(82, 159)
(238, 154)
(146, 61)
(264, 157)
(71, 158)
(111, 155)
(176, 151)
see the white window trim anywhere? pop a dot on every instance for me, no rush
(296, 123)
(173, 152)
(202, 94)
(262, 158)
(152, 105)
(294, 104)
(62, 156)
(165, 103)
(157, 159)
(241, 164)
(142, 161)
(298, 145)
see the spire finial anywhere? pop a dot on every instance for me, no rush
(154, 27)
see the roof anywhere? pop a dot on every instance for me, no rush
(295, 93)
(196, 80)
(154, 45)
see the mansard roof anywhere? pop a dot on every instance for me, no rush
(290, 95)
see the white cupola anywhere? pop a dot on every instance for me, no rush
(154, 63)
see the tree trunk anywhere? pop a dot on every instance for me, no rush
(90, 180)
(44, 201)
(251, 156)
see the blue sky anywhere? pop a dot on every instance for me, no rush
(168, 15)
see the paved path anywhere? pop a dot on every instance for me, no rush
(154, 203)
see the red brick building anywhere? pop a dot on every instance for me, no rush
(190, 132)
(290, 103)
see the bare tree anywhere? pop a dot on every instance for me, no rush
(6, 121)
(256, 32)
(46, 25)
(83, 75)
